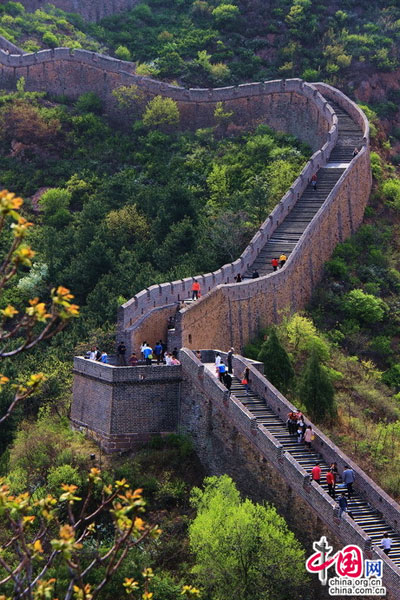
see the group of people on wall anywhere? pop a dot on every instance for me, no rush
(148, 355)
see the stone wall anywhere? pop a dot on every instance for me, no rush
(230, 315)
(91, 10)
(122, 407)
(228, 439)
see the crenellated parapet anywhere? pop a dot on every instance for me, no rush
(228, 313)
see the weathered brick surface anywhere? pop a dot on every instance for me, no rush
(124, 406)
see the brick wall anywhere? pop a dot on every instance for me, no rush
(122, 407)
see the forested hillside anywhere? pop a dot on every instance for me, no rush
(116, 210)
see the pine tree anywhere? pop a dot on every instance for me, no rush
(316, 390)
(277, 366)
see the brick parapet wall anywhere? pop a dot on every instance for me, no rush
(90, 10)
(231, 314)
(122, 407)
(290, 105)
(218, 416)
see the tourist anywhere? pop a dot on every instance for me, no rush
(299, 434)
(168, 359)
(275, 264)
(164, 349)
(314, 182)
(228, 381)
(217, 361)
(334, 469)
(133, 359)
(195, 290)
(342, 504)
(229, 357)
(316, 473)
(158, 352)
(121, 352)
(386, 543)
(255, 274)
(174, 361)
(238, 278)
(175, 352)
(348, 479)
(355, 151)
(292, 422)
(308, 436)
(104, 358)
(148, 354)
(198, 355)
(221, 371)
(282, 260)
(142, 347)
(246, 379)
(330, 480)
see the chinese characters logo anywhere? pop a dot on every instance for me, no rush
(350, 566)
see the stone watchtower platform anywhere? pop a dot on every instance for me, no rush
(122, 407)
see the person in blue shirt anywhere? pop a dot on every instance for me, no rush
(158, 350)
(348, 479)
(147, 353)
(221, 371)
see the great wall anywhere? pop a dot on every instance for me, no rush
(123, 406)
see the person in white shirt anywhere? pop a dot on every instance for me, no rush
(142, 347)
(386, 543)
(217, 363)
(168, 359)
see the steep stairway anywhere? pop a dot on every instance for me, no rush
(288, 233)
(365, 515)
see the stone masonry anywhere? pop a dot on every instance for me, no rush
(122, 407)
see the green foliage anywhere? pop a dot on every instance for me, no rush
(316, 390)
(40, 448)
(89, 102)
(391, 192)
(303, 336)
(123, 53)
(55, 204)
(50, 39)
(225, 13)
(161, 112)
(242, 549)
(277, 365)
(366, 308)
(392, 377)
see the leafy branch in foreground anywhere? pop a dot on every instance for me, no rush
(23, 330)
(51, 532)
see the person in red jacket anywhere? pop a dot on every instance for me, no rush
(275, 264)
(195, 290)
(316, 473)
(330, 480)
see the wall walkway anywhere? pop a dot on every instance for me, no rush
(221, 423)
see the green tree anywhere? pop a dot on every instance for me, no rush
(161, 112)
(123, 53)
(316, 390)
(365, 307)
(277, 366)
(243, 550)
(225, 14)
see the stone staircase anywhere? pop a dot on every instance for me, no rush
(365, 515)
(288, 233)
